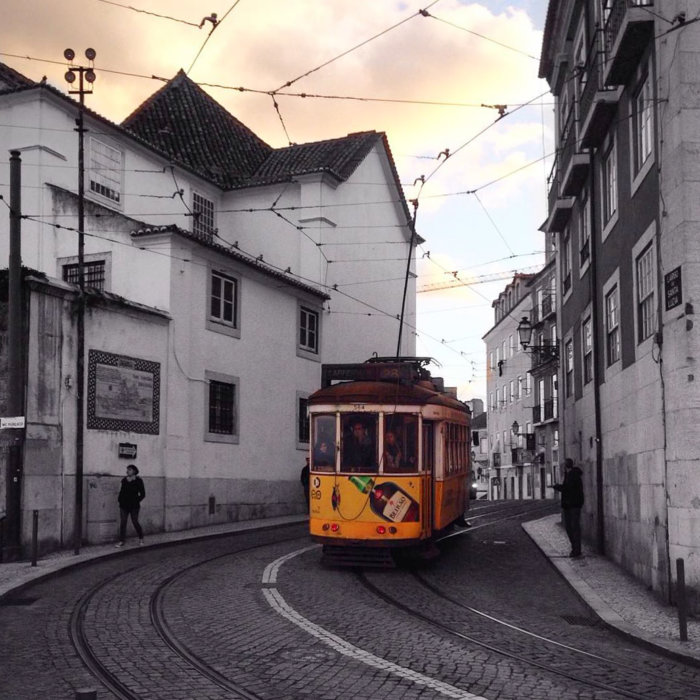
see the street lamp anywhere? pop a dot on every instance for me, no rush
(548, 351)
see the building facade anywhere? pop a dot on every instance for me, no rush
(623, 206)
(512, 471)
(218, 275)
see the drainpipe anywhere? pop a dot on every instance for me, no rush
(598, 358)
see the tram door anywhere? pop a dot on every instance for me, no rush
(429, 473)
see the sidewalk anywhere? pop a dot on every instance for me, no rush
(619, 600)
(14, 575)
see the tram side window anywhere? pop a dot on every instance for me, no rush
(323, 454)
(455, 448)
(359, 442)
(400, 444)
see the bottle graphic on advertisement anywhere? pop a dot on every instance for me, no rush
(387, 500)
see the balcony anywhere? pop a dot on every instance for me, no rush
(544, 355)
(598, 102)
(628, 29)
(544, 412)
(548, 306)
(574, 163)
(560, 206)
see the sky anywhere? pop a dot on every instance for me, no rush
(421, 77)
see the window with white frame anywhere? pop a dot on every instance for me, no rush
(609, 183)
(93, 274)
(308, 329)
(492, 405)
(645, 293)
(223, 300)
(519, 386)
(105, 171)
(511, 387)
(511, 345)
(498, 397)
(587, 344)
(222, 420)
(569, 367)
(203, 222)
(555, 396)
(643, 123)
(612, 326)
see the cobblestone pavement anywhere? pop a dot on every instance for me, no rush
(300, 631)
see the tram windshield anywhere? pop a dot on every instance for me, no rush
(323, 453)
(359, 442)
(400, 444)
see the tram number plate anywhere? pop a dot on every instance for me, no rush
(316, 494)
(359, 407)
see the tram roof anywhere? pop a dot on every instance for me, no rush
(385, 392)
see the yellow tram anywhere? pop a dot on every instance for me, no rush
(390, 459)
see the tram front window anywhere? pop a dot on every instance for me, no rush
(400, 444)
(359, 446)
(323, 454)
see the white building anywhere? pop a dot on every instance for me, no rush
(221, 273)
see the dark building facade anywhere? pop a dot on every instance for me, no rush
(624, 211)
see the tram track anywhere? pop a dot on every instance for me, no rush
(102, 668)
(453, 620)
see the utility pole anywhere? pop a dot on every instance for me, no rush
(85, 74)
(15, 367)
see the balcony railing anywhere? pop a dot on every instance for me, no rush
(560, 206)
(536, 414)
(574, 163)
(548, 409)
(628, 28)
(597, 102)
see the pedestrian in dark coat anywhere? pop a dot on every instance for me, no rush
(571, 502)
(131, 493)
(304, 478)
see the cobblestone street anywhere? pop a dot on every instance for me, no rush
(254, 615)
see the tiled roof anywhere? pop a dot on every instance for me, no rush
(196, 131)
(10, 79)
(338, 157)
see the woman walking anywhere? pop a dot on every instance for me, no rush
(131, 494)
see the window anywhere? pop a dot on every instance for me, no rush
(93, 274)
(202, 215)
(587, 343)
(612, 326)
(555, 393)
(302, 419)
(511, 345)
(492, 405)
(569, 367)
(498, 398)
(609, 183)
(105, 171)
(323, 454)
(222, 408)
(645, 294)
(584, 233)
(566, 263)
(223, 300)
(308, 329)
(643, 123)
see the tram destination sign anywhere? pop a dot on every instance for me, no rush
(673, 288)
(367, 371)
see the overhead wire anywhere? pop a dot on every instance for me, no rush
(146, 12)
(215, 22)
(291, 82)
(481, 36)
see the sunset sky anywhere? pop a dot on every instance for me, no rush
(459, 57)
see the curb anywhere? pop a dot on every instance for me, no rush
(604, 612)
(28, 575)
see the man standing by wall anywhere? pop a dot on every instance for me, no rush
(572, 502)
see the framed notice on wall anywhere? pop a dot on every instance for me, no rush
(123, 393)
